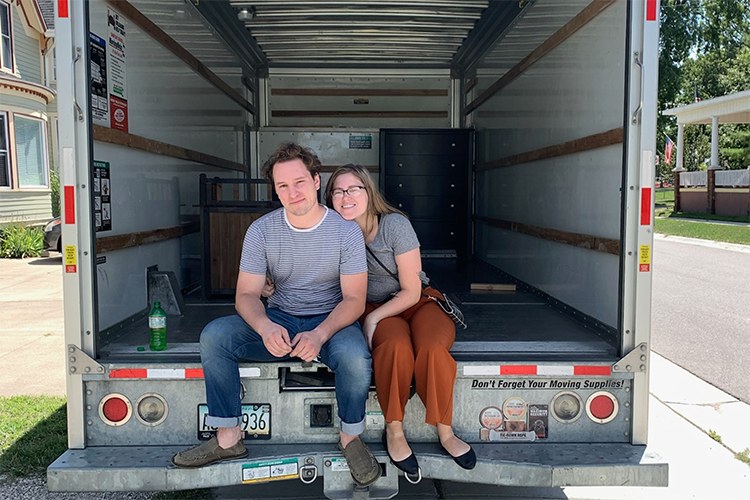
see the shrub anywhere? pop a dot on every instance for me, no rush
(54, 184)
(18, 241)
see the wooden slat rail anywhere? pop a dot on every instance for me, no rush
(362, 92)
(121, 241)
(587, 14)
(143, 22)
(126, 139)
(606, 245)
(608, 138)
(361, 114)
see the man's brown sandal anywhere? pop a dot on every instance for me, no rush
(208, 453)
(362, 464)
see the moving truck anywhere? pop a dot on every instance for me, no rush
(519, 137)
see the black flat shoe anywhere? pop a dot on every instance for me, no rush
(466, 461)
(409, 465)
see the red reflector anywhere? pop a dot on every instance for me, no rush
(645, 206)
(602, 407)
(70, 205)
(650, 10)
(129, 373)
(518, 370)
(592, 370)
(115, 410)
(62, 8)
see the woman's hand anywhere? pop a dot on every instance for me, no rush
(368, 328)
(268, 288)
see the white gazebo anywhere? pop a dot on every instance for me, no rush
(732, 108)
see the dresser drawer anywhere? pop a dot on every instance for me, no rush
(398, 186)
(440, 235)
(432, 165)
(432, 207)
(449, 143)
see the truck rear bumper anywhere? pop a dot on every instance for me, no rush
(148, 468)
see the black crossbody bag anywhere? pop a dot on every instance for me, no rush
(446, 304)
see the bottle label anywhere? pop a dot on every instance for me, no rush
(157, 322)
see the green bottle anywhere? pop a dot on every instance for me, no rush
(157, 324)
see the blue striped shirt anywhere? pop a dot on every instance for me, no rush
(304, 264)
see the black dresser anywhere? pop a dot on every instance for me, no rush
(427, 173)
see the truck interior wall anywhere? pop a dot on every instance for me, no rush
(575, 91)
(333, 147)
(406, 101)
(167, 102)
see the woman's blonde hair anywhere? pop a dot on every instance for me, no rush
(376, 204)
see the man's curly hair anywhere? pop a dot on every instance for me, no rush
(289, 151)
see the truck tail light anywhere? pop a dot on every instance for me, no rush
(602, 407)
(151, 409)
(115, 409)
(567, 407)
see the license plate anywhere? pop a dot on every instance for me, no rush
(256, 421)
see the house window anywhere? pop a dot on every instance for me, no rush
(6, 52)
(31, 157)
(4, 157)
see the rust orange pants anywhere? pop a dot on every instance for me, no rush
(415, 344)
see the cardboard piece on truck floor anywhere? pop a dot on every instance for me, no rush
(494, 287)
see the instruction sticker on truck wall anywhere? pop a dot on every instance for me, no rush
(71, 264)
(269, 471)
(99, 81)
(644, 259)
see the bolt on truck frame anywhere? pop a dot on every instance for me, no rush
(519, 137)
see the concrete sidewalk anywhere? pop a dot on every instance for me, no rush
(683, 408)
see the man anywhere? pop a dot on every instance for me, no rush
(317, 263)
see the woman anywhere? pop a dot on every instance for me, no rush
(408, 334)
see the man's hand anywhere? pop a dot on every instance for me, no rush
(276, 340)
(307, 345)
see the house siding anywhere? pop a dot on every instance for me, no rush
(25, 207)
(29, 105)
(26, 50)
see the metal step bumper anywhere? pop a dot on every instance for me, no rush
(148, 468)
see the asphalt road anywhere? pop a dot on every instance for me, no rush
(701, 312)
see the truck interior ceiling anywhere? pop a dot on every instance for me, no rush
(496, 125)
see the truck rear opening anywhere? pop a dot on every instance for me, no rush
(517, 136)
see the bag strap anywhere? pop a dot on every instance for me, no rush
(382, 265)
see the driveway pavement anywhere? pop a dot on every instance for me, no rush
(31, 327)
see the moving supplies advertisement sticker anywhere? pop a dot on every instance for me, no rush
(118, 95)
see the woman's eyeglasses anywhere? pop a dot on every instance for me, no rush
(353, 191)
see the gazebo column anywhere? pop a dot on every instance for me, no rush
(711, 173)
(714, 143)
(678, 169)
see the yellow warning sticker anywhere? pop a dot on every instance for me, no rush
(70, 259)
(644, 259)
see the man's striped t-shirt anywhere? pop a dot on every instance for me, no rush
(304, 264)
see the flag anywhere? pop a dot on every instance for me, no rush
(668, 150)
(697, 95)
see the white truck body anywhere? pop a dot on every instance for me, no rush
(560, 102)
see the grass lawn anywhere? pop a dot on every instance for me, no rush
(704, 231)
(33, 433)
(664, 196)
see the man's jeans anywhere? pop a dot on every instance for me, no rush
(227, 340)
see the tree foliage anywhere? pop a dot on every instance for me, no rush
(704, 47)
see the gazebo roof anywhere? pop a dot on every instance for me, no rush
(732, 108)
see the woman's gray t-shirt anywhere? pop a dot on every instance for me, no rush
(395, 236)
